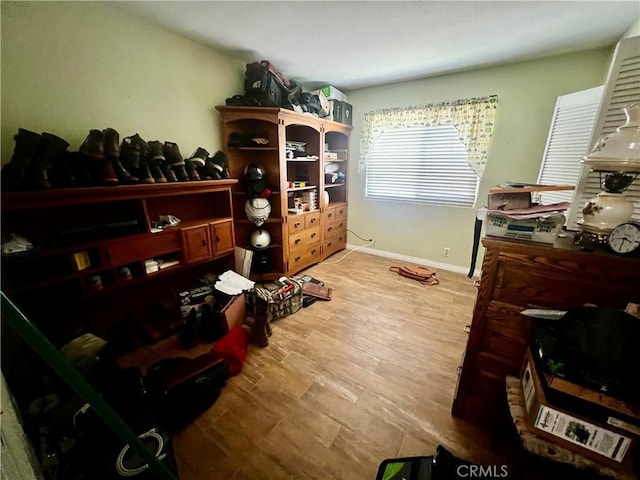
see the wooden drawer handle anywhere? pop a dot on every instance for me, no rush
(296, 224)
(330, 215)
(313, 235)
(329, 229)
(313, 251)
(204, 242)
(313, 220)
(467, 328)
(297, 241)
(218, 238)
(341, 211)
(329, 244)
(297, 259)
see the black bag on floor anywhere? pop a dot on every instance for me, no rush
(184, 388)
(269, 87)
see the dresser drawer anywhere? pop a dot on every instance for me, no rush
(296, 223)
(334, 243)
(335, 228)
(305, 238)
(506, 332)
(304, 257)
(335, 214)
(312, 220)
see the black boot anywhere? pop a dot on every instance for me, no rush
(211, 170)
(24, 152)
(130, 159)
(112, 151)
(93, 148)
(209, 328)
(222, 161)
(195, 162)
(80, 168)
(40, 171)
(188, 334)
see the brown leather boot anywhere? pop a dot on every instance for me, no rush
(175, 162)
(260, 330)
(112, 150)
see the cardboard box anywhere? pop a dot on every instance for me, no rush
(342, 112)
(235, 312)
(332, 93)
(508, 201)
(597, 440)
(541, 229)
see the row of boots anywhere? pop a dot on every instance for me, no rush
(42, 161)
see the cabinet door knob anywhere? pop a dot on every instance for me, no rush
(297, 259)
(330, 215)
(217, 238)
(297, 224)
(313, 235)
(204, 242)
(297, 241)
(329, 229)
(313, 220)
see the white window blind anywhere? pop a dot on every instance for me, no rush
(568, 141)
(421, 164)
(622, 89)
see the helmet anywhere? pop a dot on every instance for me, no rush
(260, 239)
(255, 181)
(257, 210)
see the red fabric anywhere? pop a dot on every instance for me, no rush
(233, 349)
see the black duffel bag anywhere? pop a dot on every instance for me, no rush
(269, 87)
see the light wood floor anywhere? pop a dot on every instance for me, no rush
(343, 384)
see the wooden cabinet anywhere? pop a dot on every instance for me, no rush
(89, 266)
(299, 238)
(519, 275)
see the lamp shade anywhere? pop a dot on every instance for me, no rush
(619, 151)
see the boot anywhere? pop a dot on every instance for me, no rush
(196, 162)
(40, 171)
(210, 326)
(155, 159)
(222, 161)
(93, 148)
(211, 170)
(80, 168)
(130, 158)
(192, 170)
(187, 335)
(259, 331)
(63, 175)
(26, 147)
(112, 151)
(175, 161)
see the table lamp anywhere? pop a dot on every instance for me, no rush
(616, 158)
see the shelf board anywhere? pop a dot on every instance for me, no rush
(332, 185)
(264, 149)
(25, 200)
(297, 189)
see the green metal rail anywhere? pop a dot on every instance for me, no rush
(42, 345)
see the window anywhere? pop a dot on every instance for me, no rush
(433, 154)
(421, 164)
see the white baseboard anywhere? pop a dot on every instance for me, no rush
(416, 260)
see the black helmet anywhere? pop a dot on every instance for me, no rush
(254, 180)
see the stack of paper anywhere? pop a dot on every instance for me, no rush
(232, 283)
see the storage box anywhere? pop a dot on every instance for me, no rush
(597, 440)
(342, 112)
(508, 201)
(541, 229)
(332, 93)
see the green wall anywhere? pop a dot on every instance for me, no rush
(68, 67)
(527, 94)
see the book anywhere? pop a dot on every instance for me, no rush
(316, 290)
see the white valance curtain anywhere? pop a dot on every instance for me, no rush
(473, 118)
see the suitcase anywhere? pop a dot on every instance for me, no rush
(184, 388)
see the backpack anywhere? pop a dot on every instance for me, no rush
(421, 274)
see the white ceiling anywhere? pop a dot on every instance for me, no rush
(353, 44)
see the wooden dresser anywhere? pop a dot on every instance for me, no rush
(518, 275)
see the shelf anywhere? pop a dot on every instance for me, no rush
(297, 189)
(302, 159)
(86, 195)
(264, 149)
(333, 185)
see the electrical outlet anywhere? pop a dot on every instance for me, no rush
(445, 252)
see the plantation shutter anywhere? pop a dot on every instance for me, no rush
(622, 89)
(568, 141)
